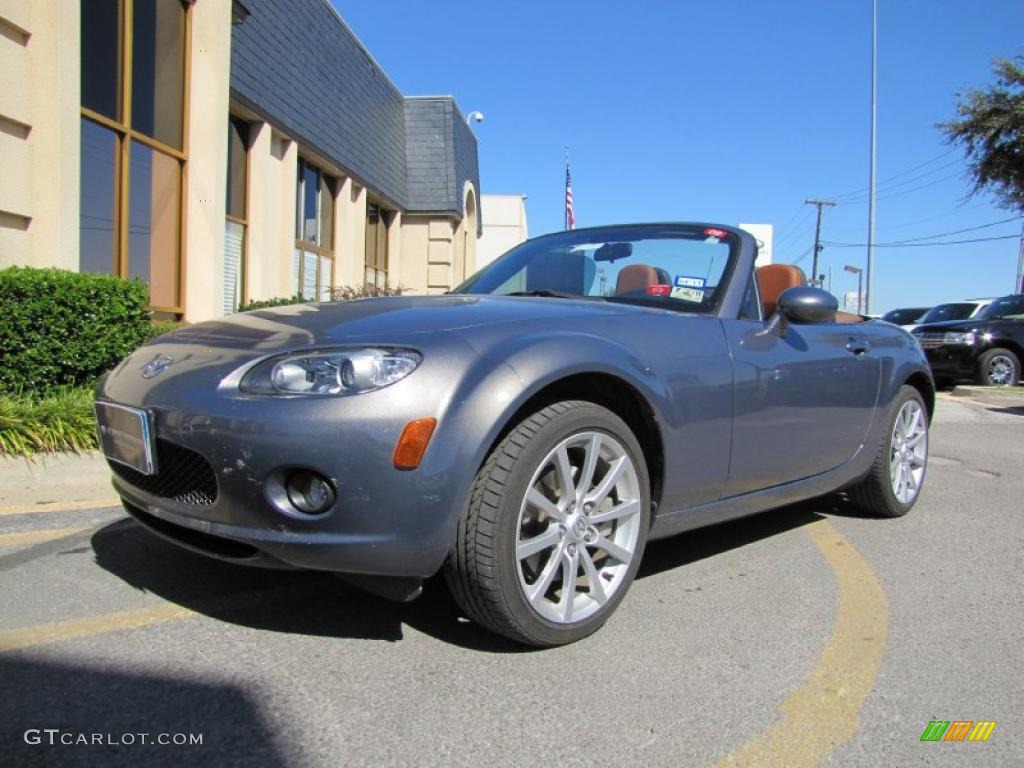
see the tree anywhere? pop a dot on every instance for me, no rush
(991, 130)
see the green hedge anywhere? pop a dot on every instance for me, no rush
(60, 328)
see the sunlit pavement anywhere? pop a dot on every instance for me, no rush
(803, 636)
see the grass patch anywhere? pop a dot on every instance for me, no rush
(61, 421)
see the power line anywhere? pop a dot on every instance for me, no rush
(901, 174)
(954, 232)
(795, 224)
(945, 215)
(801, 257)
(904, 192)
(920, 245)
(887, 188)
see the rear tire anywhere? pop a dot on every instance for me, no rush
(998, 368)
(897, 474)
(556, 526)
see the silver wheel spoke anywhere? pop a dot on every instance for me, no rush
(914, 421)
(608, 481)
(619, 553)
(538, 543)
(895, 464)
(540, 587)
(589, 465)
(544, 504)
(570, 564)
(625, 509)
(565, 482)
(912, 442)
(593, 577)
(911, 481)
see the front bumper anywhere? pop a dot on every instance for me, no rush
(383, 522)
(953, 361)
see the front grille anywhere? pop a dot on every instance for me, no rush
(930, 340)
(183, 475)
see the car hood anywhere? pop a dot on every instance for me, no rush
(199, 357)
(380, 320)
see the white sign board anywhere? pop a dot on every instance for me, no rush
(764, 234)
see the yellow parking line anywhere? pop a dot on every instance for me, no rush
(822, 714)
(61, 506)
(12, 639)
(139, 618)
(35, 537)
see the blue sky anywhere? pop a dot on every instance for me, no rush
(726, 111)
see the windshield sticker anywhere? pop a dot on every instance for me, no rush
(696, 295)
(682, 281)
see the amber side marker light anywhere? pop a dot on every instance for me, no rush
(413, 443)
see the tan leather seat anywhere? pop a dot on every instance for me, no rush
(773, 279)
(635, 277)
(848, 318)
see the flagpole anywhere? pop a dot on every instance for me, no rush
(565, 207)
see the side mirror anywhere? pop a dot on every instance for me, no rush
(808, 305)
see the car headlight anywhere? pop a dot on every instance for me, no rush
(959, 338)
(330, 372)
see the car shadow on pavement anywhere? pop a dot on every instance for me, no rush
(300, 602)
(101, 714)
(319, 604)
(702, 543)
(1010, 410)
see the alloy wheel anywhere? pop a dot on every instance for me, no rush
(908, 452)
(578, 527)
(1002, 371)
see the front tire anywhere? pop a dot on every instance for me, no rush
(999, 368)
(894, 483)
(556, 526)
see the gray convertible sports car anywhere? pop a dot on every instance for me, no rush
(528, 433)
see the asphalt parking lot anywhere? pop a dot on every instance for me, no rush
(808, 635)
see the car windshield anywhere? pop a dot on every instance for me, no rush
(1006, 308)
(957, 311)
(905, 316)
(675, 266)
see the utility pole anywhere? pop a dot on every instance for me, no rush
(871, 174)
(1019, 287)
(817, 236)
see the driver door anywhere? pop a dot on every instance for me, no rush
(802, 401)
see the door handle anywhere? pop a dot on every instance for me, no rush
(858, 346)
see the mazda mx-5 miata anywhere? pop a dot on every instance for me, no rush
(526, 434)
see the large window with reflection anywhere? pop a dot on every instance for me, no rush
(376, 253)
(133, 147)
(313, 259)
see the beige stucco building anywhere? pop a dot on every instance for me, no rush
(197, 146)
(504, 226)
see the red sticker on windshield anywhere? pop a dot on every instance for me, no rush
(712, 232)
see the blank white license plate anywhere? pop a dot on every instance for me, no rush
(126, 436)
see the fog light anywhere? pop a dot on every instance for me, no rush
(309, 492)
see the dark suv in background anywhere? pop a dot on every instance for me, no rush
(987, 348)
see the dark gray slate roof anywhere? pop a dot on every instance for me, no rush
(441, 154)
(296, 63)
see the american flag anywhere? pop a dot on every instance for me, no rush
(570, 214)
